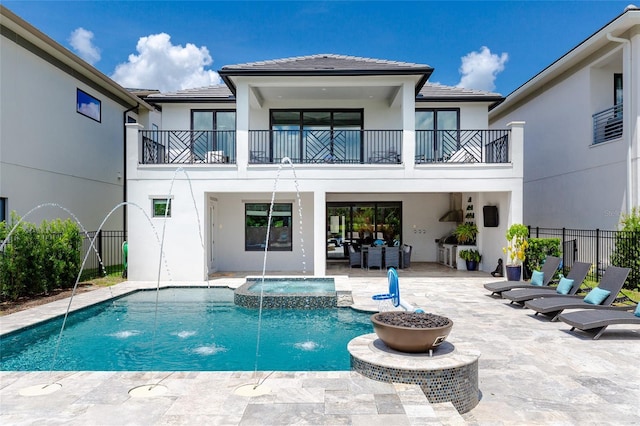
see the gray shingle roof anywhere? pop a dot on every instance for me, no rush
(435, 91)
(217, 93)
(327, 61)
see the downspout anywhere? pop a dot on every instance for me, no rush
(626, 115)
(124, 162)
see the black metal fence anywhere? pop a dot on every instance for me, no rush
(462, 146)
(593, 246)
(188, 146)
(108, 248)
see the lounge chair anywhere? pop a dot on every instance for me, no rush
(599, 319)
(549, 268)
(553, 306)
(577, 273)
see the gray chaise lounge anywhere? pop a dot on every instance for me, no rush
(549, 268)
(577, 273)
(598, 320)
(553, 306)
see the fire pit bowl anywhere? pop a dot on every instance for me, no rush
(411, 331)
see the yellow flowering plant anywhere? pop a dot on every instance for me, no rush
(516, 235)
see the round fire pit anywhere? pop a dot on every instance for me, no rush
(411, 331)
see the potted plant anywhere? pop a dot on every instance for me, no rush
(515, 250)
(466, 233)
(472, 258)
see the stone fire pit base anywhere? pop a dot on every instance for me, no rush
(450, 375)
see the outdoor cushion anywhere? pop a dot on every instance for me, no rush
(564, 286)
(537, 278)
(637, 311)
(596, 296)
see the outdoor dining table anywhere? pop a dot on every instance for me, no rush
(364, 251)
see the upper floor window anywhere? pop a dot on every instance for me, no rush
(438, 119)
(88, 106)
(3, 209)
(214, 135)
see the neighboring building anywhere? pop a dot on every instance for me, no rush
(378, 153)
(61, 130)
(582, 167)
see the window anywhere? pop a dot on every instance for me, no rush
(160, 206)
(311, 136)
(437, 134)
(3, 209)
(256, 221)
(88, 106)
(214, 130)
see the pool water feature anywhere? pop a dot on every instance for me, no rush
(198, 329)
(287, 293)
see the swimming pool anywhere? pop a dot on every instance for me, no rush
(198, 329)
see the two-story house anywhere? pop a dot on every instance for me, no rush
(61, 130)
(582, 167)
(378, 153)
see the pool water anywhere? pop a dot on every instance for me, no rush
(195, 329)
(291, 285)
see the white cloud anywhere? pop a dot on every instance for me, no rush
(479, 69)
(161, 65)
(91, 110)
(81, 41)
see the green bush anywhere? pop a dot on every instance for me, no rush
(37, 260)
(626, 252)
(538, 249)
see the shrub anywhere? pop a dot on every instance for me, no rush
(37, 260)
(626, 252)
(538, 249)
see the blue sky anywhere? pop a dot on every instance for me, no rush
(521, 37)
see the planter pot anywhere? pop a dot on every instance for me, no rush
(513, 273)
(472, 265)
(410, 339)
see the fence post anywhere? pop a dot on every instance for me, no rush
(598, 255)
(100, 254)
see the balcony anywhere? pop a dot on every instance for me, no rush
(325, 146)
(462, 146)
(607, 124)
(188, 146)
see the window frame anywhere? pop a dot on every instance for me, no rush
(260, 247)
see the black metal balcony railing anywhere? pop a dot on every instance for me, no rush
(607, 124)
(188, 146)
(325, 146)
(462, 146)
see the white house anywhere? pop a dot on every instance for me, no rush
(61, 129)
(378, 153)
(583, 117)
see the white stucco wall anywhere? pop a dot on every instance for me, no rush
(51, 153)
(568, 181)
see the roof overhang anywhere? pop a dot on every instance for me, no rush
(419, 74)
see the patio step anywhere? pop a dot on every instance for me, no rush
(448, 415)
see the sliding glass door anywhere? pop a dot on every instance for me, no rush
(362, 223)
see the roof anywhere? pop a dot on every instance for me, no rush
(29, 37)
(216, 93)
(326, 62)
(326, 65)
(629, 18)
(439, 92)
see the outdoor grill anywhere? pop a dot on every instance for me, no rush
(447, 249)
